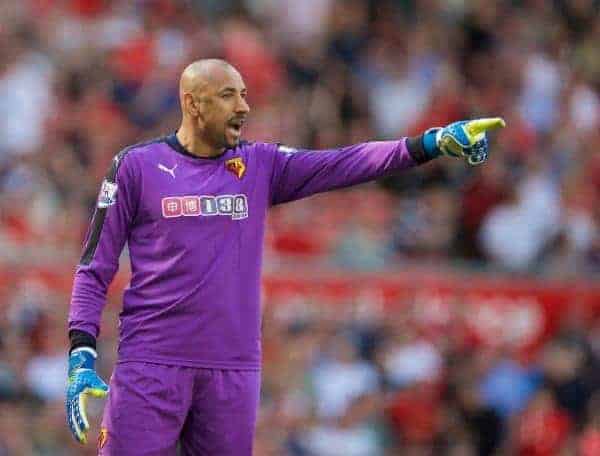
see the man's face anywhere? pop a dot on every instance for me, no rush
(223, 108)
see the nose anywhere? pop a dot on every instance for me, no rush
(242, 106)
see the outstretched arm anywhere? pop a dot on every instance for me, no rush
(298, 173)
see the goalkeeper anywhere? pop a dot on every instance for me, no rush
(192, 206)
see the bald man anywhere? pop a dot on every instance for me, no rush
(191, 206)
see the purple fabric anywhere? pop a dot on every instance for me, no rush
(151, 405)
(194, 229)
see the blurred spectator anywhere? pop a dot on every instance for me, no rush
(539, 99)
(340, 377)
(543, 428)
(529, 218)
(508, 386)
(589, 443)
(408, 359)
(365, 241)
(25, 87)
(355, 432)
(415, 414)
(426, 225)
(483, 422)
(480, 195)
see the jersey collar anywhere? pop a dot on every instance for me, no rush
(173, 141)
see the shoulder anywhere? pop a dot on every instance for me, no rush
(284, 149)
(266, 149)
(139, 148)
(130, 155)
(263, 147)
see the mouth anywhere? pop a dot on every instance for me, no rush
(235, 126)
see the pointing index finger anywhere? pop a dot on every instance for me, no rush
(475, 127)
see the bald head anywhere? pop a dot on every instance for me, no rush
(198, 74)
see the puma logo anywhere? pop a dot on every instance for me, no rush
(167, 170)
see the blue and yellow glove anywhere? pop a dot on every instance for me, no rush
(464, 139)
(83, 382)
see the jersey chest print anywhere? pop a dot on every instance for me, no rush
(234, 206)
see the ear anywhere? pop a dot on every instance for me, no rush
(191, 106)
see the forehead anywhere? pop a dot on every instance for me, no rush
(222, 77)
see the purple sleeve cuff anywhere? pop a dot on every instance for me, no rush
(89, 328)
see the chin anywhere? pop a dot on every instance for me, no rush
(232, 142)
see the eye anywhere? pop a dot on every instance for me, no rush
(227, 95)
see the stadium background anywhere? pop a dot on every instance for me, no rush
(446, 311)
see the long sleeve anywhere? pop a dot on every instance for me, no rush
(106, 236)
(300, 173)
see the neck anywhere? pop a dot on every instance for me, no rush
(196, 145)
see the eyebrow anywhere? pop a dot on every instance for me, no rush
(232, 89)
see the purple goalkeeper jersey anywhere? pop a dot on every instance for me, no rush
(194, 228)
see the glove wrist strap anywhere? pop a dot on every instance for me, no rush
(81, 339)
(420, 150)
(430, 142)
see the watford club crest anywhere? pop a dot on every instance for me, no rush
(236, 166)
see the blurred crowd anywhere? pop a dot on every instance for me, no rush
(357, 383)
(342, 378)
(81, 79)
